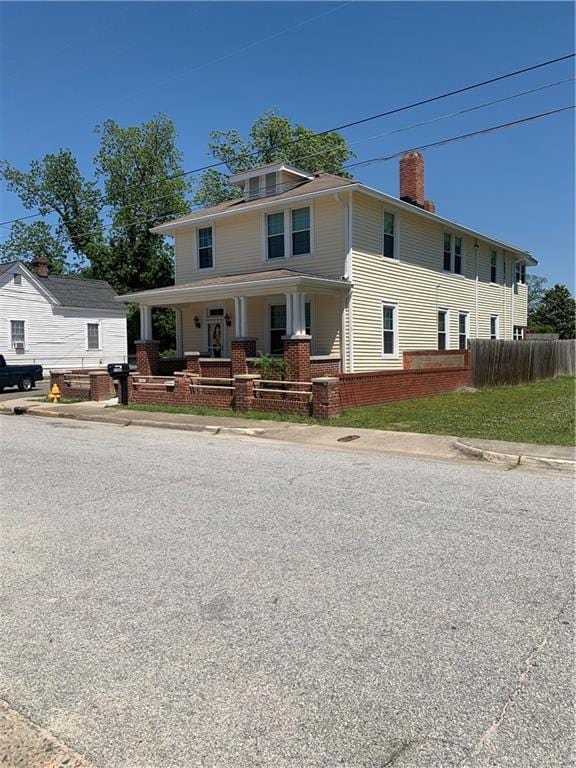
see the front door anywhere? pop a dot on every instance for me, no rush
(215, 330)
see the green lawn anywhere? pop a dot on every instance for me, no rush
(542, 412)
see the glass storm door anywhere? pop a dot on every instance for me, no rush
(215, 329)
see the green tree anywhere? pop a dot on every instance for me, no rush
(536, 289)
(28, 241)
(272, 138)
(54, 185)
(557, 312)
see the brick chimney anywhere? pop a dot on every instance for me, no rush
(412, 181)
(40, 266)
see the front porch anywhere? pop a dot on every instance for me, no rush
(224, 325)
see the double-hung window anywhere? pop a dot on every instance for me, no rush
(453, 256)
(493, 267)
(462, 330)
(300, 231)
(389, 330)
(93, 335)
(275, 235)
(518, 333)
(389, 249)
(494, 326)
(17, 334)
(442, 329)
(521, 273)
(205, 248)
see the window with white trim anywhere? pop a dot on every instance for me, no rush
(520, 275)
(271, 184)
(300, 231)
(463, 330)
(253, 187)
(389, 329)
(93, 335)
(494, 326)
(17, 334)
(493, 266)
(518, 333)
(278, 326)
(442, 329)
(389, 244)
(205, 248)
(275, 235)
(453, 255)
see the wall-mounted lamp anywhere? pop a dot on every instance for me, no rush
(227, 319)
(197, 322)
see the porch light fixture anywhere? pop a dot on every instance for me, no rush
(197, 322)
(227, 319)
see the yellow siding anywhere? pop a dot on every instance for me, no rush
(239, 245)
(417, 283)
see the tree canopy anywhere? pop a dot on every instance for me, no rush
(272, 138)
(555, 313)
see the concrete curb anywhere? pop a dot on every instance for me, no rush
(126, 422)
(515, 460)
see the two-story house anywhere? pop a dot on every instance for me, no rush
(365, 275)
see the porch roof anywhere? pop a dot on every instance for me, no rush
(262, 283)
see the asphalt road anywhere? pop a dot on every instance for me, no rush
(174, 600)
(14, 393)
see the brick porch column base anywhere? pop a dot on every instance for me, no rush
(297, 357)
(192, 362)
(325, 397)
(147, 357)
(241, 348)
(244, 391)
(101, 386)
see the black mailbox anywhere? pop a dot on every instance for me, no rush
(120, 371)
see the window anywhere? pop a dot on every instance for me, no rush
(389, 236)
(447, 252)
(253, 187)
(17, 279)
(17, 334)
(270, 183)
(493, 267)
(521, 273)
(278, 326)
(458, 255)
(462, 330)
(494, 326)
(300, 231)
(442, 329)
(389, 330)
(93, 335)
(205, 248)
(275, 235)
(518, 333)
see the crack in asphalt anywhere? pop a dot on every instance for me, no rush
(521, 682)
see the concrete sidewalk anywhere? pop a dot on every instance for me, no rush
(438, 447)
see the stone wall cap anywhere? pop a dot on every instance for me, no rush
(247, 376)
(297, 338)
(191, 354)
(324, 379)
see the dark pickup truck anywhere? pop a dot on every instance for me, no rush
(22, 376)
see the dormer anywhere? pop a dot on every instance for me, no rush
(268, 180)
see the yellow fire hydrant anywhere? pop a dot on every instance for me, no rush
(55, 394)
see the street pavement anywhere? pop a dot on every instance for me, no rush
(177, 600)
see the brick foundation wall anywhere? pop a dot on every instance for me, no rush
(320, 368)
(98, 385)
(147, 357)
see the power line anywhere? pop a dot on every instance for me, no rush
(461, 137)
(361, 121)
(421, 147)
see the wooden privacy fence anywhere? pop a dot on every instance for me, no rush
(497, 363)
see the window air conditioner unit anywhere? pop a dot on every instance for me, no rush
(18, 345)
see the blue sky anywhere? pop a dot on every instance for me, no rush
(66, 67)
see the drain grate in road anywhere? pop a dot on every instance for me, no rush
(348, 438)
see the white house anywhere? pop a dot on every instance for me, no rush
(59, 322)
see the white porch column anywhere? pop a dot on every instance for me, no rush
(145, 322)
(178, 324)
(289, 316)
(299, 314)
(240, 315)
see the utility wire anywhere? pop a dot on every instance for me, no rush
(368, 119)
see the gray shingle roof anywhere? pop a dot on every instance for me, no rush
(76, 291)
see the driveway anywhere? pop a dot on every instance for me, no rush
(177, 600)
(41, 388)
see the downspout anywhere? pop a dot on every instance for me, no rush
(476, 249)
